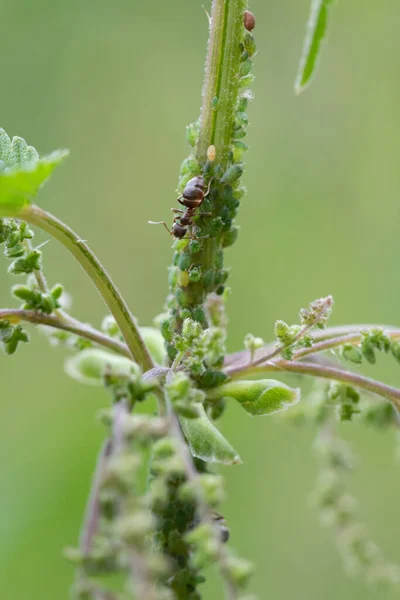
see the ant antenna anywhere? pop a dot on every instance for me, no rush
(160, 223)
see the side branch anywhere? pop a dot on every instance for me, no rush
(326, 372)
(331, 343)
(243, 356)
(14, 315)
(99, 276)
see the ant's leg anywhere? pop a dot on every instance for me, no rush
(203, 214)
(196, 237)
(177, 210)
(180, 201)
(161, 223)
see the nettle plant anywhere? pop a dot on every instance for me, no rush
(154, 542)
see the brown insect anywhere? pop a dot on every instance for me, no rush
(191, 198)
(249, 20)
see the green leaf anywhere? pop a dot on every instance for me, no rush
(22, 172)
(316, 30)
(206, 441)
(91, 365)
(263, 397)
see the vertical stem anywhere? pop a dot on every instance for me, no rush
(223, 72)
(221, 79)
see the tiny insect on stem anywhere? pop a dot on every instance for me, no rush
(191, 198)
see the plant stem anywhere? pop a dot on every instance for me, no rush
(331, 343)
(14, 315)
(243, 356)
(99, 276)
(217, 124)
(221, 79)
(204, 513)
(273, 353)
(92, 513)
(326, 372)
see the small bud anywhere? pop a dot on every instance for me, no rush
(23, 292)
(368, 350)
(263, 397)
(252, 344)
(166, 330)
(352, 353)
(57, 291)
(282, 331)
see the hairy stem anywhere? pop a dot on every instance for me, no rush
(243, 357)
(14, 315)
(99, 276)
(281, 347)
(331, 343)
(221, 79)
(203, 511)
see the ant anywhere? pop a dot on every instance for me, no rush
(191, 198)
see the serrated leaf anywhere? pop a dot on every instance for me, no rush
(316, 30)
(206, 441)
(22, 172)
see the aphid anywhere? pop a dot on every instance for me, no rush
(191, 198)
(249, 20)
(211, 153)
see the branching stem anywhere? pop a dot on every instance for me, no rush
(14, 315)
(243, 357)
(332, 343)
(326, 372)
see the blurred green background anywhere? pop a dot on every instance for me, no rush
(116, 82)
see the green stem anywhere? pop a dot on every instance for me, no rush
(14, 315)
(279, 349)
(331, 343)
(217, 125)
(243, 357)
(326, 372)
(99, 276)
(221, 79)
(204, 512)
